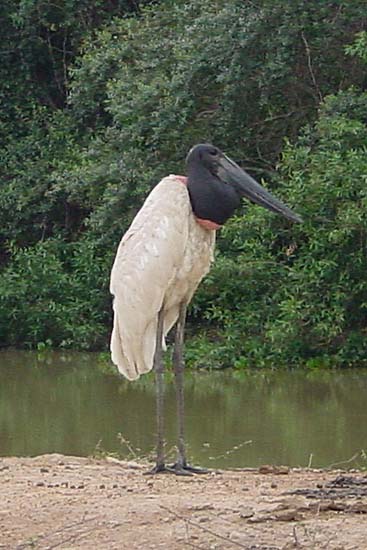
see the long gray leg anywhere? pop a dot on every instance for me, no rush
(159, 385)
(181, 466)
(179, 366)
(159, 381)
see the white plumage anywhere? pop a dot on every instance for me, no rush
(160, 262)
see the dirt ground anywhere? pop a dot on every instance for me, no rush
(68, 503)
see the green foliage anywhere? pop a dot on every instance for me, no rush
(299, 293)
(240, 77)
(99, 100)
(359, 47)
(54, 294)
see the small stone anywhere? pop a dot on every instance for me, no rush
(287, 515)
(275, 470)
(201, 507)
(166, 519)
(266, 469)
(246, 513)
(44, 470)
(203, 519)
(358, 508)
(40, 484)
(259, 518)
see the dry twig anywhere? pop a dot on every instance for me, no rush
(356, 455)
(205, 529)
(310, 68)
(55, 533)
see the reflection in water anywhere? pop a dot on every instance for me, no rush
(65, 403)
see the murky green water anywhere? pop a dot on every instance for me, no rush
(68, 403)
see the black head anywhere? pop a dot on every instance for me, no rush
(205, 155)
(216, 184)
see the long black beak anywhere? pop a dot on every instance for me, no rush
(230, 172)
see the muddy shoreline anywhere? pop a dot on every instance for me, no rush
(57, 501)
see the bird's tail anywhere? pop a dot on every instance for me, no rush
(117, 356)
(131, 353)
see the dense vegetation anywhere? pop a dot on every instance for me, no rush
(99, 100)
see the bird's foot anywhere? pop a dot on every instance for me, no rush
(186, 469)
(177, 469)
(163, 469)
(157, 469)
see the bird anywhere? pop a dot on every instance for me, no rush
(160, 262)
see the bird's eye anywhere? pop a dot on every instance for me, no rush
(213, 152)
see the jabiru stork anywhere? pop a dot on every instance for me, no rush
(160, 262)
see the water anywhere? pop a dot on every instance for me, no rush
(73, 404)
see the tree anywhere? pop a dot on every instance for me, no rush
(107, 97)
